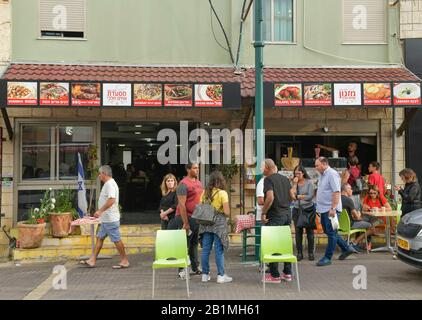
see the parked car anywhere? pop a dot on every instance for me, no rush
(409, 239)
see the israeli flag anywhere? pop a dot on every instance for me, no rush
(82, 203)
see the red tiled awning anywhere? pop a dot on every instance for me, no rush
(58, 72)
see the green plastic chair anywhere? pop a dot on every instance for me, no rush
(171, 251)
(345, 228)
(277, 246)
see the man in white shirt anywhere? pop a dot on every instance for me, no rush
(109, 216)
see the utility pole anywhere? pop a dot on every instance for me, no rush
(259, 107)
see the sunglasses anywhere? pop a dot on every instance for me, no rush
(373, 192)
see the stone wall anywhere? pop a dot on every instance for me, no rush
(410, 19)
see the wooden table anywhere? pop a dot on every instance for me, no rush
(388, 214)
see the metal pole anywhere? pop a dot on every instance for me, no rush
(394, 156)
(259, 104)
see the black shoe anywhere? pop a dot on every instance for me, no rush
(311, 257)
(344, 255)
(299, 256)
(195, 273)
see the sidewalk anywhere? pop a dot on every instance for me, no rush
(387, 279)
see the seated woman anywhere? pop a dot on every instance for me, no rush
(375, 201)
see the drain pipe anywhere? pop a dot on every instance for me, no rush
(394, 155)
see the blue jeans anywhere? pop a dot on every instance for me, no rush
(333, 237)
(207, 240)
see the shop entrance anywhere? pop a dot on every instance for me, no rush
(130, 148)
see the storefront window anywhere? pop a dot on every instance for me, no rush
(36, 152)
(28, 199)
(71, 141)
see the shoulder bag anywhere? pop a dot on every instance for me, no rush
(205, 213)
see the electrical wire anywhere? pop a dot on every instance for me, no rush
(240, 35)
(229, 49)
(333, 55)
(213, 33)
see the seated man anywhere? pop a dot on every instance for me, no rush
(356, 220)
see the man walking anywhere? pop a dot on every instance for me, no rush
(189, 193)
(109, 216)
(328, 205)
(276, 212)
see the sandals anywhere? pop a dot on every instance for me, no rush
(85, 263)
(121, 266)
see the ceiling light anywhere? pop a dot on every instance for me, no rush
(148, 139)
(138, 126)
(122, 145)
(137, 132)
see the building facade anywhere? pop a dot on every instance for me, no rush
(168, 42)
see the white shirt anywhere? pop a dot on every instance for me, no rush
(259, 193)
(109, 190)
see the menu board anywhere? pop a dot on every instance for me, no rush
(376, 94)
(317, 94)
(178, 95)
(117, 94)
(347, 94)
(54, 94)
(147, 95)
(209, 95)
(287, 94)
(407, 94)
(22, 93)
(86, 94)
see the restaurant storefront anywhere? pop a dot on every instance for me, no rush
(57, 111)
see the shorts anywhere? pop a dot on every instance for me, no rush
(110, 229)
(361, 225)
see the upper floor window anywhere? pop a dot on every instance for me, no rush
(279, 19)
(365, 21)
(62, 18)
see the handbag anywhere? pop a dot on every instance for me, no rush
(205, 213)
(306, 217)
(334, 222)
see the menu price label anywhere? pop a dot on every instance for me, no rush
(347, 94)
(117, 94)
(407, 94)
(22, 93)
(376, 94)
(287, 94)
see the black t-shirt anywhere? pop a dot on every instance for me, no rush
(348, 204)
(169, 201)
(280, 185)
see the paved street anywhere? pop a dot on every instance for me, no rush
(387, 279)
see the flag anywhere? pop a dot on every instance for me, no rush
(82, 203)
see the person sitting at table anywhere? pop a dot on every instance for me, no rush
(372, 201)
(357, 220)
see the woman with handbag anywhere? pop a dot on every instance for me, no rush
(302, 192)
(217, 233)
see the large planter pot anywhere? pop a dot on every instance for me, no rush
(60, 224)
(30, 235)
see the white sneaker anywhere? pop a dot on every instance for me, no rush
(206, 277)
(224, 279)
(182, 274)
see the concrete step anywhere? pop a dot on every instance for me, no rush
(71, 252)
(145, 238)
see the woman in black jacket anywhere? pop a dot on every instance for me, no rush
(168, 201)
(411, 195)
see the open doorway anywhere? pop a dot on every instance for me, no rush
(130, 148)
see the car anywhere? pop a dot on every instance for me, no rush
(409, 239)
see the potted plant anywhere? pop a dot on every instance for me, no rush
(61, 217)
(31, 231)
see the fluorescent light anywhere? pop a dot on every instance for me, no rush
(122, 145)
(137, 132)
(138, 125)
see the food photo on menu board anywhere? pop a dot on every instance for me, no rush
(376, 94)
(209, 95)
(347, 94)
(287, 94)
(86, 94)
(54, 93)
(117, 94)
(178, 95)
(407, 93)
(22, 93)
(317, 94)
(147, 94)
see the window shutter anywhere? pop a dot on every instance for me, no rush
(354, 30)
(51, 10)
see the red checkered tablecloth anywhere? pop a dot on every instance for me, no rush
(85, 220)
(245, 221)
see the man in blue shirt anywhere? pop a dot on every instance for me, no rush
(328, 204)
